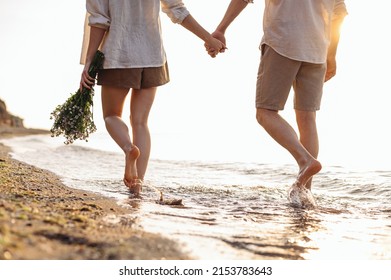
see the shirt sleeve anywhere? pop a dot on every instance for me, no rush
(99, 15)
(175, 9)
(339, 9)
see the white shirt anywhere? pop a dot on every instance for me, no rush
(300, 29)
(133, 38)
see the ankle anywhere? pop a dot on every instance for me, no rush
(131, 151)
(128, 147)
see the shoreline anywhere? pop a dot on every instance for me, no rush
(43, 219)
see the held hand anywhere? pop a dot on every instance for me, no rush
(216, 44)
(86, 80)
(331, 69)
(220, 36)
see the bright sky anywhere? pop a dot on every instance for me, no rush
(207, 110)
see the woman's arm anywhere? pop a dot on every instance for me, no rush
(99, 21)
(193, 26)
(96, 37)
(177, 12)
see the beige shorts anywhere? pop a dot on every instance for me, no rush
(137, 78)
(276, 76)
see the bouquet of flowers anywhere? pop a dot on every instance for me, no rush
(74, 118)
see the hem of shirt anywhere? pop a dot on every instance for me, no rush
(291, 57)
(126, 66)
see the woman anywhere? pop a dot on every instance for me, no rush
(128, 32)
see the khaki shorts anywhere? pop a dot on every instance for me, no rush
(137, 78)
(276, 76)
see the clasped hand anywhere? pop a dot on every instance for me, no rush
(216, 44)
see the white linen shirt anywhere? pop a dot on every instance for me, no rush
(133, 38)
(300, 29)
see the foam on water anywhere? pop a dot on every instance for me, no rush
(234, 210)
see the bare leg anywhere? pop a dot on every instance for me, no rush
(141, 104)
(285, 135)
(306, 122)
(113, 99)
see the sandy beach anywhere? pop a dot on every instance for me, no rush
(42, 219)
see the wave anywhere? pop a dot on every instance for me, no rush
(241, 205)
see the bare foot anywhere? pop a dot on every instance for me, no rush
(135, 186)
(131, 156)
(300, 196)
(306, 172)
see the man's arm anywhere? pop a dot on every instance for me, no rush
(332, 50)
(233, 10)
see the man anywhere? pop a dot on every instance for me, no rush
(299, 48)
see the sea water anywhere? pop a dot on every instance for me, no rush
(232, 209)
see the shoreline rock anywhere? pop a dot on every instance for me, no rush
(7, 119)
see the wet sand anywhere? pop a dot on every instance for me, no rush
(42, 219)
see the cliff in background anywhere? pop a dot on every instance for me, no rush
(7, 119)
